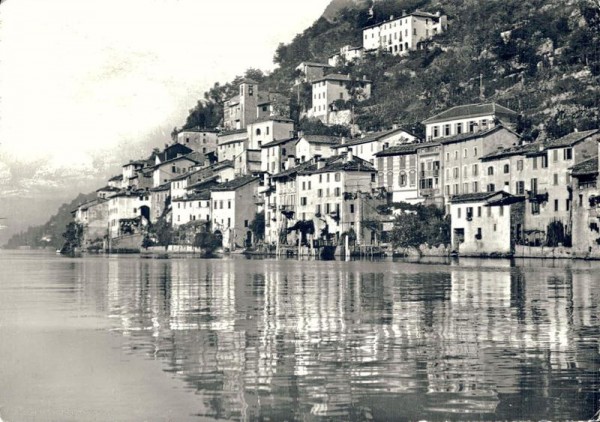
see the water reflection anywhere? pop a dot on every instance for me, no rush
(361, 340)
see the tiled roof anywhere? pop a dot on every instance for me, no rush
(474, 197)
(235, 183)
(398, 150)
(322, 139)
(108, 189)
(231, 132)
(279, 142)
(587, 167)
(315, 64)
(471, 110)
(161, 188)
(370, 137)
(570, 139)
(274, 119)
(509, 152)
(338, 77)
(339, 163)
(472, 135)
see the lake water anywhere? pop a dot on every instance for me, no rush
(129, 338)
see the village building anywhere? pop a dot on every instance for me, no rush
(199, 140)
(128, 212)
(399, 35)
(339, 89)
(268, 130)
(346, 54)
(397, 173)
(463, 172)
(486, 223)
(311, 71)
(310, 146)
(328, 194)
(234, 207)
(192, 207)
(468, 118)
(240, 110)
(93, 217)
(586, 208)
(165, 171)
(430, 176)
(272, 104)
(160, 199)
(278, 155)
(368, 145)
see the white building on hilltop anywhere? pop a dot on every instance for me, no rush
(399, 35)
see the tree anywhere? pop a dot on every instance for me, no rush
(257, 226)
(73, 237)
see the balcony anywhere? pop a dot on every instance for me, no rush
(537, 197)
(428, 174)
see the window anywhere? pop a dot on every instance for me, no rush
(506, 168)
(490, 171)
(555, 178)
(568, 154)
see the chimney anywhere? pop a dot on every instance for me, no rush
(291, 161)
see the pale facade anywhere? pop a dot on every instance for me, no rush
(268, 130)
(335, 87)
(127, 206)
(368, 145)
(200, 140)
(397, 173)
(468, 118)
(231, 144)
(399, 35)
(462, 169)
(485, 223)
(234, 207)
(310, 146)
(194, 207)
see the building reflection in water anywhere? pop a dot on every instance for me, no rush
(287, 339)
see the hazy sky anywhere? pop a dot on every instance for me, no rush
(86, 84)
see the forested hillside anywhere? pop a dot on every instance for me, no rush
(49, 234)
(538, 57)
